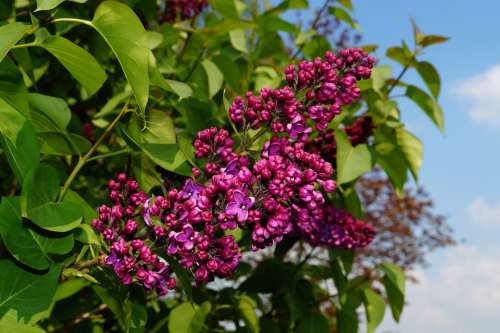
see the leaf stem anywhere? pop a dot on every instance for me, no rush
(84, 159)
(400, 76)
(19, 46)
(111, 154)
(71, 20)
(252, 140)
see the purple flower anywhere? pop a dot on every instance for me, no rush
(190, 190)
(240, 205)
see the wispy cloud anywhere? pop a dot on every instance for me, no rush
(483, 212)
(460, 295)
(483, 91)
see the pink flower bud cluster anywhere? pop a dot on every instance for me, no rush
(334, 228)
(132, 254)
(326, 85)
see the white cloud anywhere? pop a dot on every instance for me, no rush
(460, 295)
(482, 212)
(483, 90)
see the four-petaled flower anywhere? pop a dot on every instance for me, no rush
(240, 205)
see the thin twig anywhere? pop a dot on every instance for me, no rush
(86, 157)
(400, 76)
(313, 26)
(84, 316)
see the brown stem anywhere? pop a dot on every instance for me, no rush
(84, 316)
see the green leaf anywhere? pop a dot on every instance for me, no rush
(14, 327)
(226, 8)
(427, 104)
(56, 217)
(347, 321)
(374, 308)
(394, 283)
(10, 34)
(125, 34)
(343, 15)
(430, 75)
(48, 113)
(40, 186)
(69, 288)
(51, 4)
(352, 162)
(402, 55)
(214, 77)
(18, 140)
(346, 3)
(313, 322)
(239, 40)
(17, 239)
(274, 23)
(412, 149)
(380, 75)
(26, 292)
(246, 307)
(81, 64)
(158, 142)
(181, 89)
(183, 318)
(428, 40)
(390, 157)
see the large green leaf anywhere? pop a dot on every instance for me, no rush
(49, 114)
(56, 217)
(125, 34)
(10, 34)
(427, 104)
(394, 283)
(18, 239)
(430, 75)
(18, 140)
(374, 308)
(246, 307)
(15, 327)
(158, 141)
(412, 149)
(239, 40)
(390, 157)
(51, 4)
(40, 186)
(352, 162)
(215, 78)
(188, 317)
(81, 64)
(26, 292)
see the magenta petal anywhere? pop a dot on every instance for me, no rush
(181, 237)
(233, 208)
(238, 196)
(242, 215)
(188, 245)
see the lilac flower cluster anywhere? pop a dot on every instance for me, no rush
(327, 84)
(278, 192)
(132, 254)
(334, 228)
(182, 9)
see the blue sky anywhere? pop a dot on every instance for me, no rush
(459, 292)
